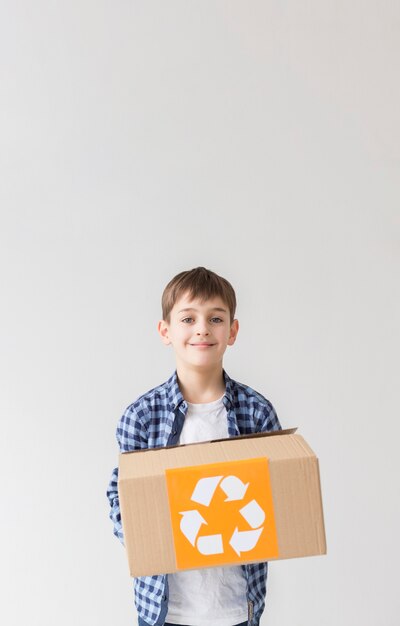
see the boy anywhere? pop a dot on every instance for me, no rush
(198, 403)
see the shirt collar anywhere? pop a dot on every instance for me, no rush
(228, 397)
(175, 396)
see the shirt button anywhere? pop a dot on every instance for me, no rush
(174, 432)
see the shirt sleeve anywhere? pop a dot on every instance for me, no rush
(269, 419)
(131, 435)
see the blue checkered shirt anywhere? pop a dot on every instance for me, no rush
(155, 420)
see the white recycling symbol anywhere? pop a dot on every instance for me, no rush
(234, 489)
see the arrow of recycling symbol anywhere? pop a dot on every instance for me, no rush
(244, 540)
(232, 486)
(191, 523)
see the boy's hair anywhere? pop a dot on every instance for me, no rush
(198, 283)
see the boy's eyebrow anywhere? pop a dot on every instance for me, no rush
(214, 308)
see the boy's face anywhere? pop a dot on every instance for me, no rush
(199, 332)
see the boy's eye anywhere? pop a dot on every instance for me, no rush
(218, 320)
(187, 320)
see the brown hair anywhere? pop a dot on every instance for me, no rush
(198, 283)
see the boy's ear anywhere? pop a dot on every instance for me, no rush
(163, 331)
(233, 332)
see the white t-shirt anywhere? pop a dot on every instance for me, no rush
(215, 595)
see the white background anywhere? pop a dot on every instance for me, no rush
(139, 139)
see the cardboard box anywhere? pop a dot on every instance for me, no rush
(240, 500)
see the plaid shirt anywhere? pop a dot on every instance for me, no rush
(155, 420)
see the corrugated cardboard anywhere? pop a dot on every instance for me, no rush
(294, 480)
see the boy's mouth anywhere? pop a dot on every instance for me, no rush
(202, 345)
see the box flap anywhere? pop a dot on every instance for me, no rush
(153, 461)
(272, 433)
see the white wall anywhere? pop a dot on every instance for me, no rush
(138, 139)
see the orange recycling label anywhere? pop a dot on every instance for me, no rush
(222, 513)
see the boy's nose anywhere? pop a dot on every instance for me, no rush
(202, 329)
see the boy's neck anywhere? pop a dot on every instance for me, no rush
(199, 386)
